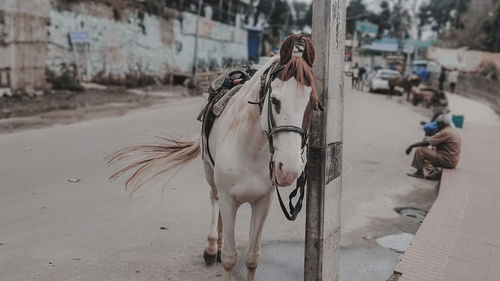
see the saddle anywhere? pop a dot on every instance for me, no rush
(220, 92)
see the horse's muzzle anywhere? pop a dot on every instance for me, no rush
(284, 177)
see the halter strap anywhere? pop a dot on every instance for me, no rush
(265, 91)
(294, 209)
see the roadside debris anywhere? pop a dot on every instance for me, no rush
(398, 243)
(74, 180)
(367, 237)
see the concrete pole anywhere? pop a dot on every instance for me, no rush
(324, 153)
(197, 31)
(220, 11)
(413, 36)
(399, 28)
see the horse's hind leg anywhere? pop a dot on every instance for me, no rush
(260, 209)
(220, 239)
(210, 253)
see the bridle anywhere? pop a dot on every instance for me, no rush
(265, 92)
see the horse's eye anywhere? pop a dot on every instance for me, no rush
(277, 104)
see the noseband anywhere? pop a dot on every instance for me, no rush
(265, 91)
(272, 129)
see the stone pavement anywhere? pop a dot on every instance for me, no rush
(459, 239)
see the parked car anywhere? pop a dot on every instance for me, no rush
(379, 80)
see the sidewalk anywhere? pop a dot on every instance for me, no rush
(459, 239)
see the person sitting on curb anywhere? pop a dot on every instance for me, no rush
(447, 143)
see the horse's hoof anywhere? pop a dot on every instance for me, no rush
(219, 256)
(209, 259)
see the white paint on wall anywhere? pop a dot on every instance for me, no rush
(154, 46)
(462, 58)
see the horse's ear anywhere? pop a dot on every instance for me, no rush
(309, 54)
(286, 49)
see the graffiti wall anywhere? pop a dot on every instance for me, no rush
(138, 42)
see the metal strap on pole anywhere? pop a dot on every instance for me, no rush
(325, 144)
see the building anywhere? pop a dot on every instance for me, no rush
(23, 43)
(106, 39)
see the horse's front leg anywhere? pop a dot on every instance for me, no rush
(260, 209)
(228, 209)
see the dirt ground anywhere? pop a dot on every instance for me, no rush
(24, 111)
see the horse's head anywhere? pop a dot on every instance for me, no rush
(288, 107)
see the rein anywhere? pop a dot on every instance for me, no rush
(265, 91)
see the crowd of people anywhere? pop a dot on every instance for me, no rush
(441, 145)
(359, 77)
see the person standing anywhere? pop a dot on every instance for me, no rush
(355, 76)
(453, 78)
(361, 78)
(442, 79)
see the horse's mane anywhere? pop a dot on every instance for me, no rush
(299, 69)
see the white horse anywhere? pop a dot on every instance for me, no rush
(254, 149)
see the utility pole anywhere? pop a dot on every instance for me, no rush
(457, 15)
(324, 153)
(197, 31)
(413, 37)
(220, 11)
(399, 27)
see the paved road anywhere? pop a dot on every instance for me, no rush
(52, 229)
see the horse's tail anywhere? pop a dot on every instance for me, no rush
(150, 161)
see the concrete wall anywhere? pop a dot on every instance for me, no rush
(23, 43)
(481, 88)
(147, 44)
(463, 59)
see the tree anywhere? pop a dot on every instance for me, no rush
(303, 14)
(439, 13)
(281, 16)
(355, 11)
(383, 19)
(399, 22)
(490, 27)
(309, 16)
(277, 13)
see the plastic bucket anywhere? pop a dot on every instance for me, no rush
(458, 120)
